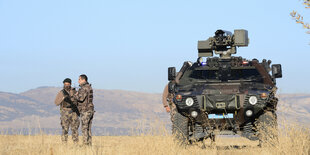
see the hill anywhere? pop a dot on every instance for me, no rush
(117, 111)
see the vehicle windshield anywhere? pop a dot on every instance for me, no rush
(234, 75)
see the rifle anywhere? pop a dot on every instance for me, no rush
(67, 99)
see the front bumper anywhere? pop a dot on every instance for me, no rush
(237, 104)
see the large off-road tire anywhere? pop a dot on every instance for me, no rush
(267, 128)
(180, 128)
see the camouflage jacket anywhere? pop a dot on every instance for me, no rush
(67, 102)
(85, 98)
(167, 96)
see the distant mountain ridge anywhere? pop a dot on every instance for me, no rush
(116, 110)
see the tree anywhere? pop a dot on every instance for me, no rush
(299, 18)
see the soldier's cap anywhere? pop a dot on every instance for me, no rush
(67, 80)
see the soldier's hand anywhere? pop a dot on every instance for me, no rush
(167, 109)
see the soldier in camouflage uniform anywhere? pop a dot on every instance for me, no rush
(167, 98)
(68, 111)
(84, 96)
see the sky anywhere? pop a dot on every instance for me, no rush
(129, 45)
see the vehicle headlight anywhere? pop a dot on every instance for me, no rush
(194, 114)
(189, 101)
(253, 100)
(249, 113)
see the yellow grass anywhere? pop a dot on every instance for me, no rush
(293, 140)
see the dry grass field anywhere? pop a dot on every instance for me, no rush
(293, 140)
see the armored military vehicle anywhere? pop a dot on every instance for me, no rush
(225, 94)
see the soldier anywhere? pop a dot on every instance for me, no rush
(69, 114)
(167, 100)
(84, 96)
(167, 97)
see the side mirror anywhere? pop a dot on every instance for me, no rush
(171, 87)
(276, 71)
(171, 73)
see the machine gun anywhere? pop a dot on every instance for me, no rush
(67, 99)
(223, 43)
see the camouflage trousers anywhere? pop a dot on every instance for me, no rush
(173, 110)
(87, 118)
(69, 119)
